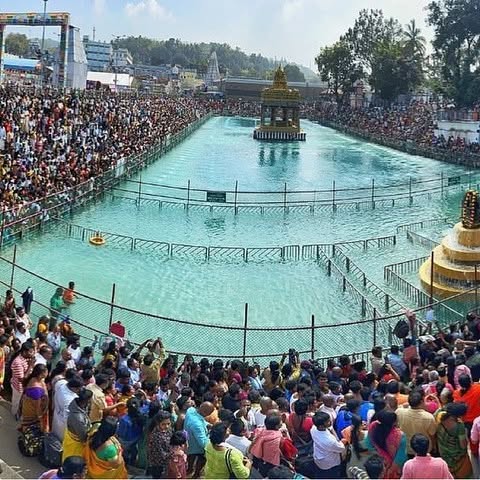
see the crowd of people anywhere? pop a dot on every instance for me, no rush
(411, 412)
(415, 122)
(51, 141)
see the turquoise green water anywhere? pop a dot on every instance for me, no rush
(279, 294)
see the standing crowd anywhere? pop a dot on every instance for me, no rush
(411, 412)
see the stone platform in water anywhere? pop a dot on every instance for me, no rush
(277, 135)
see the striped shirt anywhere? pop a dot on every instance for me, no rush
(19, 369)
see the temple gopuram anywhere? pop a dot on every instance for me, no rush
(280, 117)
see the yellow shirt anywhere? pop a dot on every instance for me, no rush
(416, 420)
(98, 403)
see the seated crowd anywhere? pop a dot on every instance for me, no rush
(414, 123)
(51, 141)
(411, 412)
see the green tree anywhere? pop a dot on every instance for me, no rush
(337, 66)
(413, 41)
(370, 29)
(294, 74)
(392, 72)
(457, 46)
(17, 44)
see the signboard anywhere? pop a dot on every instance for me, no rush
(454, 180)
(217, 197)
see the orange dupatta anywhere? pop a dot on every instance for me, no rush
(98, 468)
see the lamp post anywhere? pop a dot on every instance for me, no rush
(42, 53)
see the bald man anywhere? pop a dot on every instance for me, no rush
(196, 427)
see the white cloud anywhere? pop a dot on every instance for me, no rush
(99, 6)
(150, 8)
(291, 8)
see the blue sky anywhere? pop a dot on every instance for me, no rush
(295, 29)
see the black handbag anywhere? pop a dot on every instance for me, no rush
(51, 453)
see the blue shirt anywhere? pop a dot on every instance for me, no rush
(196, 427)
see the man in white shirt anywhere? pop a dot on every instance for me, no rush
(62, 399)
(21, 332)
(237, 438)
(327, 449)
(328, 406)
(44, 356)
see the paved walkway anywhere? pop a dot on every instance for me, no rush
(17, 466)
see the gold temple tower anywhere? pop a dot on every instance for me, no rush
(280, 117)
(455, 259)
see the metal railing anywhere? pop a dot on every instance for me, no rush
(464, 158)
(417, 239)
(421, 224)
(93, 316)
(386, 300)
(30, 216)
(326, 199)
(212, 252)
(392, 275)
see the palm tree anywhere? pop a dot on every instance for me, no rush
(413, 40)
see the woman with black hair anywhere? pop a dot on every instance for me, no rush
(222, 460)
(158, 444)
(299, 425)
(389, 442)
(355, 436)
(103, 453)
(452, 440)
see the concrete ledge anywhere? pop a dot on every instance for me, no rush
(7, 472)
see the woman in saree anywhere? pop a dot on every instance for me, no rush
(78, 425)
(34, 403)
(452, 440)
(103, 452)
(389, 442)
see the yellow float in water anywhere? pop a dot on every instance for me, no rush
(97, 239)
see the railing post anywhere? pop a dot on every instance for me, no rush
(329, 268)
(410, 191)
(285, 197)
(374, 326)
(139, 189)
(14, 261)
(344, 283)
(245, 330)
(387, 302)
(3, 230)
(347, 264)
(432, 258)
(334, 207)
(235, 198)
(112, 304)
(364, 307)
(313, 336)
(188, 194)
(364, 280)
(333, 250)
(373, 193)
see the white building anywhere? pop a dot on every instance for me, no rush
(99, 55)
(122, 58)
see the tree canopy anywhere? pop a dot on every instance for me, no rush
(378, 50)
(337, 67)
(17, 44)
(294, 74)
(195, 55)
(457, 47)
